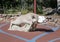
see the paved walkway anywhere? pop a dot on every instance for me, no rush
(16, 36)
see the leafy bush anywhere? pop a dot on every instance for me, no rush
(24, 11)
(11, 11)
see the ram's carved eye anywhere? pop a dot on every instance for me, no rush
(22, 24)
(33, 17)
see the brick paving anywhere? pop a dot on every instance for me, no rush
(38, 36)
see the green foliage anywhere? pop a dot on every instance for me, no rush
(24, 6)
(39, 7)
(24, 11)
(11, 11)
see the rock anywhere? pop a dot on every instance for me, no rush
(1, 19)
(47, 10)
(51, 24)
(41, 19)
(27, 19)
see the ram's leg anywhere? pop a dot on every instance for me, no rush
(10, 28)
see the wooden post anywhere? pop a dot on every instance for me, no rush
(35, 6)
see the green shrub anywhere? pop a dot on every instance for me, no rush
(24, 11)
(11, 11)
